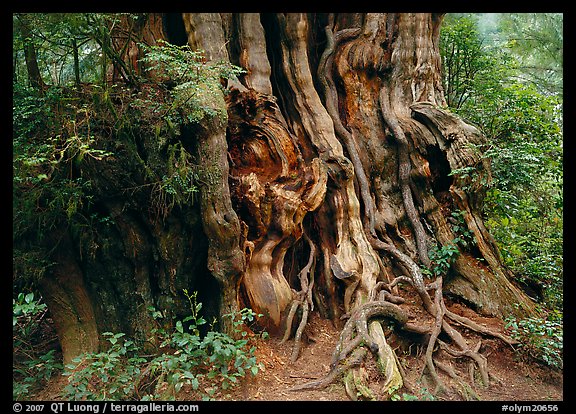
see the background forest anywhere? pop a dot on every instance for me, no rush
(501, 73)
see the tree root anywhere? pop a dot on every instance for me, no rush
(363, 332)
(438, 310)
(470, 324)
(355, 385)
(475, 355)
(298, 336)
(387, 361)
(404, 168)
(356, 336)
(465, 390)
(358, 322)
(325, 77)
(355, 360)
(434, 336)
(303, 300)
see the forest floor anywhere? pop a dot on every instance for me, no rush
(515, 379)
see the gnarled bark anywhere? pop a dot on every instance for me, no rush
(331, 178)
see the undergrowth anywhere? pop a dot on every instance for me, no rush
(540, 338)
(206, 367)
(209, 366)
(32, 364)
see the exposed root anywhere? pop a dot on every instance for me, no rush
(406, 384)
(378, 293)
(434, 336)
(387, 361)
(304, 300)
(477, 357)
(324, 75)
(404, 168)
(356, 334)
(349, 386)
(470, 324)
(355, 385)
(440, 313)
(361, 324)
(345, 351)
(358, 322)
(465, 390)
(289, 319)
(298, 337)
(363, 331)
(355, 360)
(415, 276)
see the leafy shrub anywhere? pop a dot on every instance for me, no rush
(207, 365)
(108, 375)
(540, 338)
(464, 236)
(52, 136)
(197, 93)
(26, 313)
(31, 366)
(179, 185)
(441, 259)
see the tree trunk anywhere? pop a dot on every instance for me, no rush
(333, 176)
(76, 62)
(34, 75)
(67, 298)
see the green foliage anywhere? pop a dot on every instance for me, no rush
(197, 93)
(525, 203)
(57, 131)
(179, 184)
(62, 133)
(24, 313)
(469, 62)
(28, 267)
(541, 338)
(74, 47)
(32, 367)
(537, 40)
(32, 374)
(522, 120)
(207, 365)
(464, 236)
(441, 259)
(532, 246)
(52, 137)
(110, 374)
